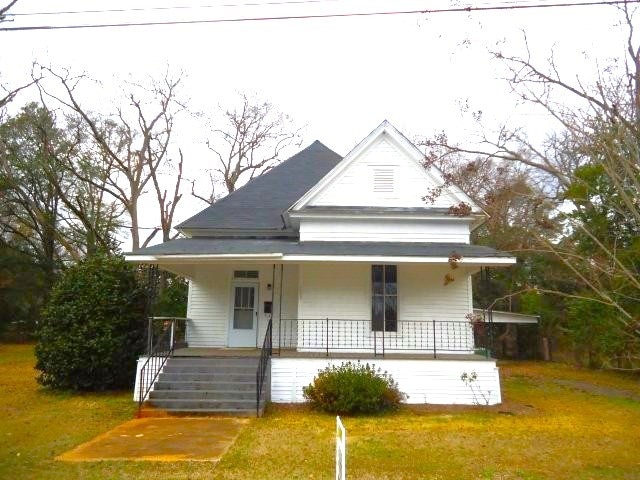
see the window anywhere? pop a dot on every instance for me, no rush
(245, 274)
(384, 303)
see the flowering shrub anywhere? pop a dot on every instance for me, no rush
(353, 388)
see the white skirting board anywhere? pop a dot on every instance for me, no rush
(423, 381)
(136, 387)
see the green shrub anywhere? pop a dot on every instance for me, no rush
(353, 388)
(92, 329)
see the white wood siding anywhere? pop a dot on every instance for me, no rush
(344, 291)
(424, 381)
(390, 230)
(337, 291)
(152, 369)
(422, 294)
(208, 307)
(334, 291)
(383, 176)
(290, 292)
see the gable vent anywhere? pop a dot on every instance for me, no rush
(245, 274)
(383, 180)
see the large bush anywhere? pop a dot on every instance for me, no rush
(92, 328)
(353, 388)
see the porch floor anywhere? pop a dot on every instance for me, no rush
(291, 353)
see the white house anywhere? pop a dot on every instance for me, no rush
(320, 260)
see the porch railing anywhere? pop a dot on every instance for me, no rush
(263, 364)
(426, 336)
(161, 345)
(156, 326)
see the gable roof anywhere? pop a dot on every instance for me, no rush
(260, 203)
(386, 130)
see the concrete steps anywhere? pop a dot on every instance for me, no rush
(203, 394)
(207, 385)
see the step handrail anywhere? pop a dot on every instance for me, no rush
(265, 356)
(160, 353)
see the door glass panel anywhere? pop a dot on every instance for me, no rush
(238, 298)
(243, 309)
(245, 297)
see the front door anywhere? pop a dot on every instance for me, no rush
(244, 316)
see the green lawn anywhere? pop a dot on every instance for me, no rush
(557, 423)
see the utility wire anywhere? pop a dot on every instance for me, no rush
(175, 7)
(467, 9)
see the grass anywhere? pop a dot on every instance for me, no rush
(547, 429)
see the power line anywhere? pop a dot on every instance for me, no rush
(467, 9)
(175, 7)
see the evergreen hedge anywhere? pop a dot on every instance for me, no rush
(92, 328)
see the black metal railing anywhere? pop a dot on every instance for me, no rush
(171, 336)
(263, 364)
(156, 326)
(330, 334)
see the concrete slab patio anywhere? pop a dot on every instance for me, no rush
(162, 440)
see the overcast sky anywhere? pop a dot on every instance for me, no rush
(340, 77)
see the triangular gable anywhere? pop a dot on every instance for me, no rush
(384, 170)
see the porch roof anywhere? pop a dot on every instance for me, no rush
(285, 249)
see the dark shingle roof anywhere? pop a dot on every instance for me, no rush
(231, 246)
(260, 203)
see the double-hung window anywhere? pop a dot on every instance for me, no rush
(384, 302)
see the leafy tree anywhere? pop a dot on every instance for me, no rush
(92, 330)
(31, 210)
(596, 335)
(22, 292)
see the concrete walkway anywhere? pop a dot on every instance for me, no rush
(162, 440)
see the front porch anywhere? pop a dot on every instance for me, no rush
(184, 378)
(269, 328)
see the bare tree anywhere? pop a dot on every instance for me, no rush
(5, 9)
(9, 94)
(249, 143)
(133, 144)
(591, 161)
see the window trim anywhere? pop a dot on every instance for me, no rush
(247, 275)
